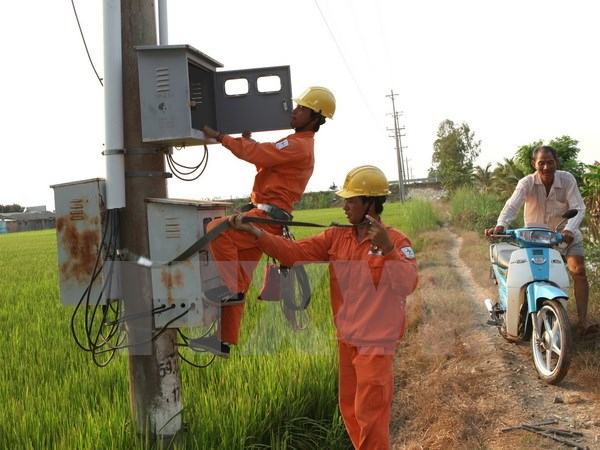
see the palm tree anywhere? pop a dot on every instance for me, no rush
(482, 178)
(505, 177)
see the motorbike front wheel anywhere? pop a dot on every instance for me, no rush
(551, 348)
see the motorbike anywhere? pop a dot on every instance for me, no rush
(532, 299)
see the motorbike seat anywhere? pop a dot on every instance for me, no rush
(500, 253)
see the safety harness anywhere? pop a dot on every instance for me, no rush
(225, 225)
(295, 286)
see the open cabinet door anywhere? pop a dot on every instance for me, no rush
(253, 99)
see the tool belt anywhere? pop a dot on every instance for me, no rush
(273, 211)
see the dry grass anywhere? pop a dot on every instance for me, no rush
(451, 389)
(441, 373)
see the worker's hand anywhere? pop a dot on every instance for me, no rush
(494, 230)
(247, 134)
(209, 132)
(568, 236)
(236, 222)
(379, 235)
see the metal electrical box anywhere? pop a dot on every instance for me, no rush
(80, 212)
(173, 226)
(181, 92)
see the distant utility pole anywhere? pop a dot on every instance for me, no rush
(398, 137)
(154, 379)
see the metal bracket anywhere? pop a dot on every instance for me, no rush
(148, 173)
(147, 151)
(113, 151)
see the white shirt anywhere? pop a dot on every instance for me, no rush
(543, 210)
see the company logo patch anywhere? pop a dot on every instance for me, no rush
(282, 144)
(408, 252)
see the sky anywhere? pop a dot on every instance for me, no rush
(515, 71)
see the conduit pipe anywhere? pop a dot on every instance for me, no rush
(113, 105)
(163, 24)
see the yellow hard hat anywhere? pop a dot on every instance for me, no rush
(319, 99)
(365, 180)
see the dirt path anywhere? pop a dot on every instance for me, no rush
(504, 387)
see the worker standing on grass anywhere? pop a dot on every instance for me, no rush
(372, 269)
(548, 193)
(283, 170)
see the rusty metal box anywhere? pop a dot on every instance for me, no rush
(80, 212)
(173, 226)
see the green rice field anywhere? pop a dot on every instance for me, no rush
(277, 390)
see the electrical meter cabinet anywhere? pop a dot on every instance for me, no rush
(80, 220)
(173, 226)
(181, 92)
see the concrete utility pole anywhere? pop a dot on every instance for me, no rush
(155, 384)
(398, 137)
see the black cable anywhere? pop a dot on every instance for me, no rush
(110, 254)
(186, 340)
(177, 171)
(206, 333)
(153, 311)
(154, 336)
(190, 167)
(103, 249)
(86, 293)
(173, 165)
(98, 338)
(197, 366)
(85, 44)
(182, 174)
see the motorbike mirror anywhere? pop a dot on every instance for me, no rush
(570, 214)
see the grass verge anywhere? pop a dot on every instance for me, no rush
(440, 368)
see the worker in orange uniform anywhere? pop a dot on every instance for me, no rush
(372, 269)
(283, 170)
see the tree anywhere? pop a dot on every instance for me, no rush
(11, 208)
(506, 175)
(483, 178)
(454, 151)
(590, 189)
(566, 149)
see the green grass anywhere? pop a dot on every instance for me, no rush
(474, 210)
(277, 390)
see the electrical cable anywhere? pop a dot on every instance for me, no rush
(190, 167)
(164, 328)
(85, 44)
(86, 293)
(152, 312)
(185, 344)
(102, 323)
(91, 343)
(344, 60)
(176, 168)
(197, 366)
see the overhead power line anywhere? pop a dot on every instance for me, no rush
(85, 44)
(345, 61)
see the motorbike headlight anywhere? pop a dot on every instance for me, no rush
(538, 259)
(544, 237)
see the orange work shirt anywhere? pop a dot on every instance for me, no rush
(283, 168)
(368, 289)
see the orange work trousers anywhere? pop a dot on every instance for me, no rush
(365, 396)
(236, 255)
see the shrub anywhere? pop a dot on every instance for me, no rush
(474, 210)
